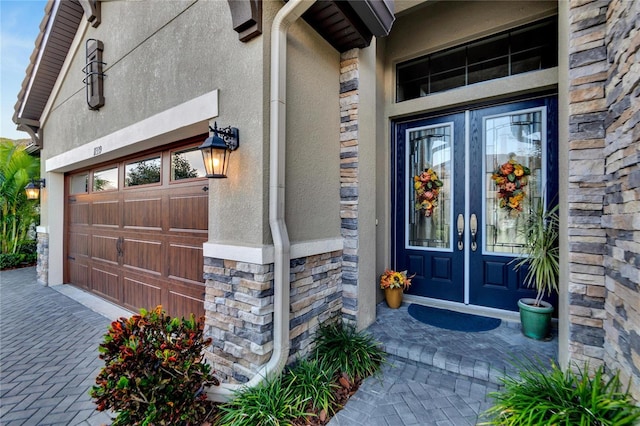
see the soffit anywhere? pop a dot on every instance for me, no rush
(57, 31)
(350, 24)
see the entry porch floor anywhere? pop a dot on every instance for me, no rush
(436, 376)
(485, 355)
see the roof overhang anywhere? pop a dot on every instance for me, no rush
(351, 24)
(57, 31)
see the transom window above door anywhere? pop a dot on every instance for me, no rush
(528, 48)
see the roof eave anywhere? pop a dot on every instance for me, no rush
(54, 40)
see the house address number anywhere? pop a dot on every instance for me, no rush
(97, 150)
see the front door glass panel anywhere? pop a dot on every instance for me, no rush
(429, 184)
(514, 148)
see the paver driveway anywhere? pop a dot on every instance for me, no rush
(48, 354)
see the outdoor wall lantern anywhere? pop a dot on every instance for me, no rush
(33, 188)
(216, 150)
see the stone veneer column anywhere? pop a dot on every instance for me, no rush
(238, 316)
(316, 292)
(604, 186)
(239, 310)
(42, 266)
(587, 239)
(621, 219)
(349, 101)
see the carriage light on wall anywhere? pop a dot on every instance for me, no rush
(33, 188)
(217, 148)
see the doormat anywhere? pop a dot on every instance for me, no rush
(451, 320)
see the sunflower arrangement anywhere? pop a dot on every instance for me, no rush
(427, 187)
(511, 178)
(395, 279)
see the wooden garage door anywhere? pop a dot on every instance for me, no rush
(135, 230)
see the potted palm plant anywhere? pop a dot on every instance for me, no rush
(541, 256)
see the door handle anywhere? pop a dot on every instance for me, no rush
(473, 227)
(119, 246)
(460, 231)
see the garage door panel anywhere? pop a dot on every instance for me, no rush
(78, 213)
(186, 262)
(79, 274)
(141, 294)
(143, 255)
(78, 244)
(182, 213)
(104, 248)
(105, 213)
(105, 283)
(143, 213)
(186, 300)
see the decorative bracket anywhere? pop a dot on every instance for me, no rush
(246, 16)
(91, 11)
(33, 129)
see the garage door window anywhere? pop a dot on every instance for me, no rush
(105, 180)
(187, 164)
(79, 184)
(143, 172)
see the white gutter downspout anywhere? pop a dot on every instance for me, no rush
(281, 23)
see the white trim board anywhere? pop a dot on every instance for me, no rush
(263, 255)
(187, 119)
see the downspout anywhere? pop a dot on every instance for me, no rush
(277, 142)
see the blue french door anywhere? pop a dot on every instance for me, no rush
(464, 186)
(429, 195)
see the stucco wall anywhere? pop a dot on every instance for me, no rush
(313, 125)
(157, 55)
(160, 55)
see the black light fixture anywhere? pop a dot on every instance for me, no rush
(216, 150)
(33, 188)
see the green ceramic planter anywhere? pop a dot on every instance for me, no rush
(535, 320)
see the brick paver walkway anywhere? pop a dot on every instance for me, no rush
(49, 360)
(436, 377)
(416, 395)
(48, 354)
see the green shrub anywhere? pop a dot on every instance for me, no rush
(154, 373)
(314, 382)
(539, 396)
(25, 255)
(16, 260)
(18, 215)
(344, 350)
(271, 403)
